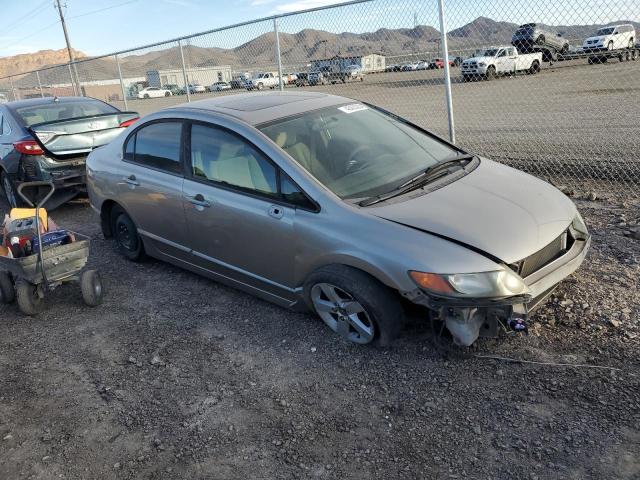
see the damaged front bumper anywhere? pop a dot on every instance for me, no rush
(469, 318)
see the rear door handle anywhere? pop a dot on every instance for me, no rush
(131, 180)
(199, 201)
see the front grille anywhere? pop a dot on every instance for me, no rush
(546, 255)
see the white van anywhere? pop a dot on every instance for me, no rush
(612, 37)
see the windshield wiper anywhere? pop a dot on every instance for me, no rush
(432, 173)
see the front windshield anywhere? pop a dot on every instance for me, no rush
(605, 31)
(357, 151)
(490, 52)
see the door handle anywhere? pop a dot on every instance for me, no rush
(131, 180)
(276, 212)
(199, 201)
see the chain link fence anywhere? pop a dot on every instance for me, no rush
(550, 88)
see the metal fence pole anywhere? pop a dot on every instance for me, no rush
(447, 71)
(13, 92)
(73, 83)
(124, 95)
(184, 72)
(278, 56)
(39, 84)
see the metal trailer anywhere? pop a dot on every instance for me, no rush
(27, 279)
(603, 56)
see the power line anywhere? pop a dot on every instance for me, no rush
(15, 22)
(102, 9)
(40, 30)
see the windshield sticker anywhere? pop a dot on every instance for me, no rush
(354, 107)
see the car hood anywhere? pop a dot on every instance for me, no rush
(501, 211)
(600, 37)
(478, 59)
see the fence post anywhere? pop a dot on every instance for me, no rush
(39, 84)
(447, 71)
(73, 82)
(278, 57)
(184, 72)
(124, 95)
(13, 92)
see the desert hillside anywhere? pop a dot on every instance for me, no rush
(32, 61)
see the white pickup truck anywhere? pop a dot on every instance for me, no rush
(260, 81)
(490, 62)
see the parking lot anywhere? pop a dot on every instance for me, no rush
(571, 121)
(179, 377)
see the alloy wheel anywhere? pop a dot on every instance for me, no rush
(342, 313)
(124, 237)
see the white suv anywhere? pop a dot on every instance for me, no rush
(613, 37)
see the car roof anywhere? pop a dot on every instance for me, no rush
(257, 108)
(29, 102)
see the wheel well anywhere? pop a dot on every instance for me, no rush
(105, 217)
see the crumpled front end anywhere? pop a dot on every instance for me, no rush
(468, 317)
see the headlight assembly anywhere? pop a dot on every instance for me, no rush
(498, 283)
(579, 225)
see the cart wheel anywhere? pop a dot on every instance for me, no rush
(7, 292)
(91, 286)
(30, 297)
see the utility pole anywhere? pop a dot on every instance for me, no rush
(76, 80)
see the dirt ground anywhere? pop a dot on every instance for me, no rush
(177, 377)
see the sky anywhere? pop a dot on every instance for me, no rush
(99, 27)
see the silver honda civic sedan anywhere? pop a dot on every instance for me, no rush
(317, 201)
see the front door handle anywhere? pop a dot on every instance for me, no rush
(131, 180)
(199, 201)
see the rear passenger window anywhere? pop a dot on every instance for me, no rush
(223, 157)
(157, 146)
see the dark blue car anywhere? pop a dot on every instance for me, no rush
(48, 139)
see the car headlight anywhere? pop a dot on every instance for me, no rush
(498, 283)
(579, 225)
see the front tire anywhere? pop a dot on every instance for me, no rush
(630, 44)
(128, 241)
(91, 286)
(167, 94)
(610, 46)
(260, 86)
(354, 304)
(146, 95)
(30, 297)
(541, 40)
(491, 73)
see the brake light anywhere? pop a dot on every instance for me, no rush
(128, 123)
(28, 147)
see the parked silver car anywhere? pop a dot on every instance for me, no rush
(307, 199)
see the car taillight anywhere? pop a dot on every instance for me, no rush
(28, 147)
(128, 123)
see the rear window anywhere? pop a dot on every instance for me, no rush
(53, 112)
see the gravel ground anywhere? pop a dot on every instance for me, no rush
(177, 377)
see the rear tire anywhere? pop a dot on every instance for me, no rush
(7, 292)
(128, 241)
(535, 68)
(167, 94)
(381, 313)
(30, 297)
(630, 45)
(146, 95)
(541, 40)
(260, 86)
(10, 194)
(91, 286)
